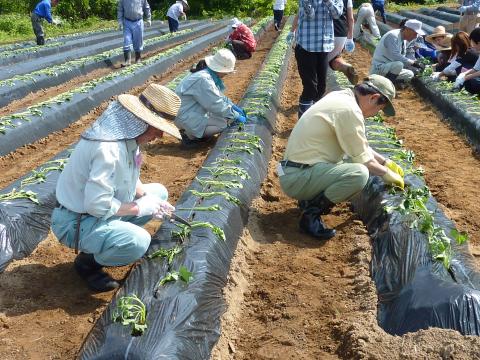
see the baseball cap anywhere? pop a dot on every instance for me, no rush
(385, 87)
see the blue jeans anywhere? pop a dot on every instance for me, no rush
(133, 34)
(172, 24)
(380, 7)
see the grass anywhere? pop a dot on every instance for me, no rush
(394, 7)
(17, 27)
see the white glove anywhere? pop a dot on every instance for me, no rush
(120, 26)
(290, 37)
(148, 205)
(166, 209)
(56, 21)
(462, 9)
(349, 45)
(460, 80)
(435, 76)
(148, 23)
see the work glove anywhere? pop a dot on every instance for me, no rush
(435, 76)
(462, 9)
(290, 37)
(56, 21)
(459, 80)
(240, 119)
(120, 26)
(148, 23)
(349, 45)
(394, 167)
(148, 205)
(419, 65)
(239, 110)
(166, 210)
(392, 178)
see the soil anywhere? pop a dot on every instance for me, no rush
(290, 296)
(46, 310)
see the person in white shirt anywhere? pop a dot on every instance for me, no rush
(101, 202)
(174, 12)
(278, 9)
(366, 15)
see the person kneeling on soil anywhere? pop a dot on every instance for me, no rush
(390, 56)
(241, 41)
(205, 110)
(471, 78)
(313, 170)
(43, 10)
(101, 202)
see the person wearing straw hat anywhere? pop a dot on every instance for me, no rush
(130, 15)
(174, 12)
(390, 56)
(205, 110)
(469, 12)
(101, 201)
(366, 15)
(313, 171)
(241, 41)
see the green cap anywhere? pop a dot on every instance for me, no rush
(385, 87)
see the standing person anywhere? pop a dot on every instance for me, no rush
(241, 41)
(130, 15)
(379, 5)
(313, 32)
(43, 10)
(390, 56)
(101, 201)
(278, 9)
(366, 14)
(205, 110)
(469, 15)
(174, 12)
(313, 170)
(343, 32)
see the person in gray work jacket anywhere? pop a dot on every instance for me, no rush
(390, 56)
(205, 110)
(130, 14)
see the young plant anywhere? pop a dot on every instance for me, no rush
(227, 184)
(169, 254)
(182, 274)
(207, 195)
(215, 207)
(20, 194)
(131, 311)
(228, 170)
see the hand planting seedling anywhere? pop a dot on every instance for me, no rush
(131, 311)
(169, 254)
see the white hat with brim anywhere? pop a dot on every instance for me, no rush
(186, 3)
(136, 107)
(236, 23)
(415, 25)
(223, 61)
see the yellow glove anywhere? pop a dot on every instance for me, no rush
(394, 179)
(394, 167)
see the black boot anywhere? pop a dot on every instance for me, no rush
(91, 271)
(187, 142)
(127, 57)
(304, 106)
(321, 202)
(312, 224)
(40, 40)
(392, 77)
(138, 56)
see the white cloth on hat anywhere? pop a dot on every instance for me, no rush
(415, 25)
(236, 23)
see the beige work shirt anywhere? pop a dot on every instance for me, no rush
(330, 129)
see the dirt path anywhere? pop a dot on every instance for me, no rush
(292, 297)
(45, 309)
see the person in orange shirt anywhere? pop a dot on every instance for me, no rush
(241, 41)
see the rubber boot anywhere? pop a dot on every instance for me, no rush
(127, 57)
(138, 56)
(392, 77)
(40, 40)
(304, 106)
(312, 224)
(187, 142)
(91, 271)
(321, 202)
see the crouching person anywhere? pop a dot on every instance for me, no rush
(241, 41)
(101, 202)
(205, 110)
(313, 170)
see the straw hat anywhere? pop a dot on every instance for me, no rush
(161, 100)
(136, 107)
(223, 61)
(437, 31)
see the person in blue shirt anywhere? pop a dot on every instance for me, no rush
(379, 5)
(43, 10)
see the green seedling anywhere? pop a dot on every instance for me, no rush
(228, 170)
(234, 149)
(459, 237)
(131, 311)
(225, 161)
(182, 274)
(207, 195)
(185, 231)
(169, 254)
(19, 194)
(215, 207)
(227, 184)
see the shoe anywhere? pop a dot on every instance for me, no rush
(321, 202)
(351, 74)
(312, 224)
(187, 142)
(276, 27)
(138, 56)
(40, 40)
(91, 271)
(127, 57)
(304, 106)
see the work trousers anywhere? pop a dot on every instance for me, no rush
(115, 241)
(468, 23)
(312, 68)
(172, 24)
(366, 15)
(473, 85)
(215, 125)
(339, 182)
(277, 17)
(240, 50)
(381, 9)
(133, 34)
(394, 67)
(37, 25)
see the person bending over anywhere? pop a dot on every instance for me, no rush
(241, 41)
(174, 12)
(43, 10)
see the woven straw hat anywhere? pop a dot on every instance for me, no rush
(223, 61)
(136, 107)
(161, 100)
(437, 31)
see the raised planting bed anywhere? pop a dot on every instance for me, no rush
(26, 206)
(429, 20)
(396, 19)
(60, 111)
(449, 10)
(180, 282)
(424, 273)
(74, 52)
(453, 18)
(18, 86)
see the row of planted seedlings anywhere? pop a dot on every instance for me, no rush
(171, 303)
(18, 86)
(26, 205)
(56, 113)
(422, 267)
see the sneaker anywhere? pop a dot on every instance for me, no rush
(276, 27)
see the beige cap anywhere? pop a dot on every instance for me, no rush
(223, 61)
(136, 107)
(385, 87)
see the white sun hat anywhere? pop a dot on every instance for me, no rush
(236, 23)
(415, 25)
(223, 61)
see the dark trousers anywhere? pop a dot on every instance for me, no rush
(473, 85)
(381, 8)
(240, 50)
(312, 68)
(172, 24)
(277, 17)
